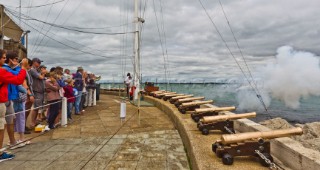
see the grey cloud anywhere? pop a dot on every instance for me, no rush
(195, 50)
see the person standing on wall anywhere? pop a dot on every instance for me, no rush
(128, 82)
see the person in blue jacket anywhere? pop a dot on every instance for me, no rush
(12, 66)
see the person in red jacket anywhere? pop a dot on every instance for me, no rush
(5, 79)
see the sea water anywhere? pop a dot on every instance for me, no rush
(226, 95)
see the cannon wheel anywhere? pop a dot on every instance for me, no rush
(192, 116)
(183, 111)
(176, 104)
(171, 101)
(227, 159)
(205, 131)
(215, 147)
(195, 117)
(263, 162)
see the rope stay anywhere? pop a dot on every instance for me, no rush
(237, 62)
(36, 50)
(72, 47)
(161, 43)
(165, 44)
(71, 28)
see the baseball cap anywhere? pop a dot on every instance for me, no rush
(43, 66)
(37, 60)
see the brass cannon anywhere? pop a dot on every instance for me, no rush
(200, 113)
(223, 123)
(191, 106)
(169, 96)
(255, 144)
(186, 100)
(174, 99)
(156, 92)
(160, 95)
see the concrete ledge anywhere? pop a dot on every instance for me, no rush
(291, 153)
(198, 146)
(172, 112)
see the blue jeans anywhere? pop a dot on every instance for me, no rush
(77, 103)
(69, 109)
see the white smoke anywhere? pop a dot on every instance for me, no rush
(294, 75)
(249, 101)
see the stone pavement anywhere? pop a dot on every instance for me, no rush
(99, 140)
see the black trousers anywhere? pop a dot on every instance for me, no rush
(53, 112)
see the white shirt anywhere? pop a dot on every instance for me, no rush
(128, 81)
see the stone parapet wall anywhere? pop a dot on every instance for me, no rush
(293, 155)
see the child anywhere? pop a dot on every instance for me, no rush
(68, 93)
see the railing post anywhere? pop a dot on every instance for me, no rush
(123, 111)
(64, 120)
(94, 97)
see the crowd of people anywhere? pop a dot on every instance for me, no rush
(29, 90)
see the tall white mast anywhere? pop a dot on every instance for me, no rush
(136, 52)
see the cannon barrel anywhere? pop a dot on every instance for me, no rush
(168, 93)
(196, 103)
(241, 137)
(173, 95)
(162, 94)
(220, 118)
(214, 109)
(156, 92)
(181, 97)
(190, 99)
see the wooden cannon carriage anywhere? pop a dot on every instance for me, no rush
(200, 113)
(174, 99)
(191, 106)
(223, 123)
(186, 100)
(169, 96)
(250, 144)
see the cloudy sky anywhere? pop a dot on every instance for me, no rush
(189, 42)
